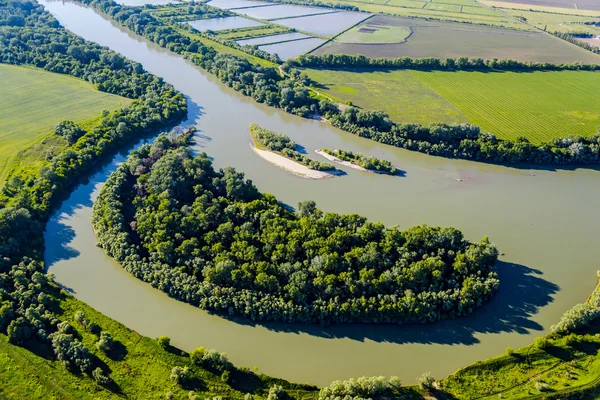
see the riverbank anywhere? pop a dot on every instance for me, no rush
(292, 166)
(342, 162)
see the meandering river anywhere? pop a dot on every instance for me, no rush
(544, 222)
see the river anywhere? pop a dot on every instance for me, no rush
(543, 222)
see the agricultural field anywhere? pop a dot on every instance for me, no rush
(538, 105)
(398, 93)
(572, 4)
(555, 22)
(465, 11)
(448, 39)
(34, 101)
(372, 32)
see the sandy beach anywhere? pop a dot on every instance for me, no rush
(291, 166)
(342, 162)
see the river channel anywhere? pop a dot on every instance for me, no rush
(544, 223)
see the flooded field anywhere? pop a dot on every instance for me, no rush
(285, 37)
(327, 24)
(283, 11)
(448, 39)
(220, 24)
(231, 4)
(288, 50)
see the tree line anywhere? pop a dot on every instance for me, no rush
(289, 93)
(431, 63)
(370, 163)
(210, 238)
(29, 309)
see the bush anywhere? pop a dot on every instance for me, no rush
(426, 381)
(216, 361)
(542, 343)
(164, 341)
(364, 387)
(276, 392)
(542, 387)
(105, 343)
(180, 375)
(225, 377)
(99, 376)
(510, 351)
(71, 352)
(197, 355)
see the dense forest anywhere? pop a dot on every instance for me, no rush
(212, 239)
(370, 163)
(278, 143)
(289, 92)
(31, 36)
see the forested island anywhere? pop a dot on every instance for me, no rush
(210, 238)
(369, 163)
(283, 145)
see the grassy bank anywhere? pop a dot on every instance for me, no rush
(140, 368)
(34, 101)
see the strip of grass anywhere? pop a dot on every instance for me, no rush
(34, 101)
(141, 369)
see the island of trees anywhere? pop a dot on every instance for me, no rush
(282, 144)
(366, 162)
(212, 239)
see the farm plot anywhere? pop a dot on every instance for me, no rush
(282, 11)
(554, 22)
(406, 3)
(591, 41)
(372, 32)
(325, 24)
(539, 105)
(286, 37)
(404, 97)
(34, 101)
(231, 4)
(221, 24)
(448, 39)
(573, 4)
(292, 49)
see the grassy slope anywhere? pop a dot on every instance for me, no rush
(33, 101)
(539, 105)
(141, 371)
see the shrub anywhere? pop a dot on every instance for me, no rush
(105, 343)
(542, 387)
(426, 381)
(215, 360)
(541, 343)
(276, 392)
(364, 387)
(180, 375)
(572, 339)
(71, 351)
(169, 395)
(164, 341)
(197, 355)
(99, 376)
(225, 377)
(510, 351)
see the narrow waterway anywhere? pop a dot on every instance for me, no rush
(544, 222)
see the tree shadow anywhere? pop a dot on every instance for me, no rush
(117, 352)
(521, 294)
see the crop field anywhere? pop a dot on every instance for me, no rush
(590, 11)
(539, 105)
(34, 101)
(449, 39)
(252, 32)
(398, 93)
(372, 32)
(554, 22)
(572, 4)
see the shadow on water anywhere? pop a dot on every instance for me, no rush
(521, 294)
(59, 234)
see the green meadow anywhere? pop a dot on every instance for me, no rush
(33, 101)
(538, 105)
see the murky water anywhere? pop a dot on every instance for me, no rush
(543, 221)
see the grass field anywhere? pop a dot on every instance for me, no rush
(33, 101)
(374, 33)
(398, 93)
(553, 22)
(140, 369)
(539, 105)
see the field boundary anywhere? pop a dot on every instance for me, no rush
(339, 34)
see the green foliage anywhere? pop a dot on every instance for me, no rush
(180, 375)
(264, 138)
(542, 342)
(71, 352)
(581, 315)
(69, 130)
(370, 163)
(164, 341)
(362, 388)
(100, 377)
(426, 381)
(225, 376)
(105, 343)
(211, 239)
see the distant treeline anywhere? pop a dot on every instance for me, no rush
(210, 238)
(267, 85)
(30, 36)
(574, 39)
(430, 63)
